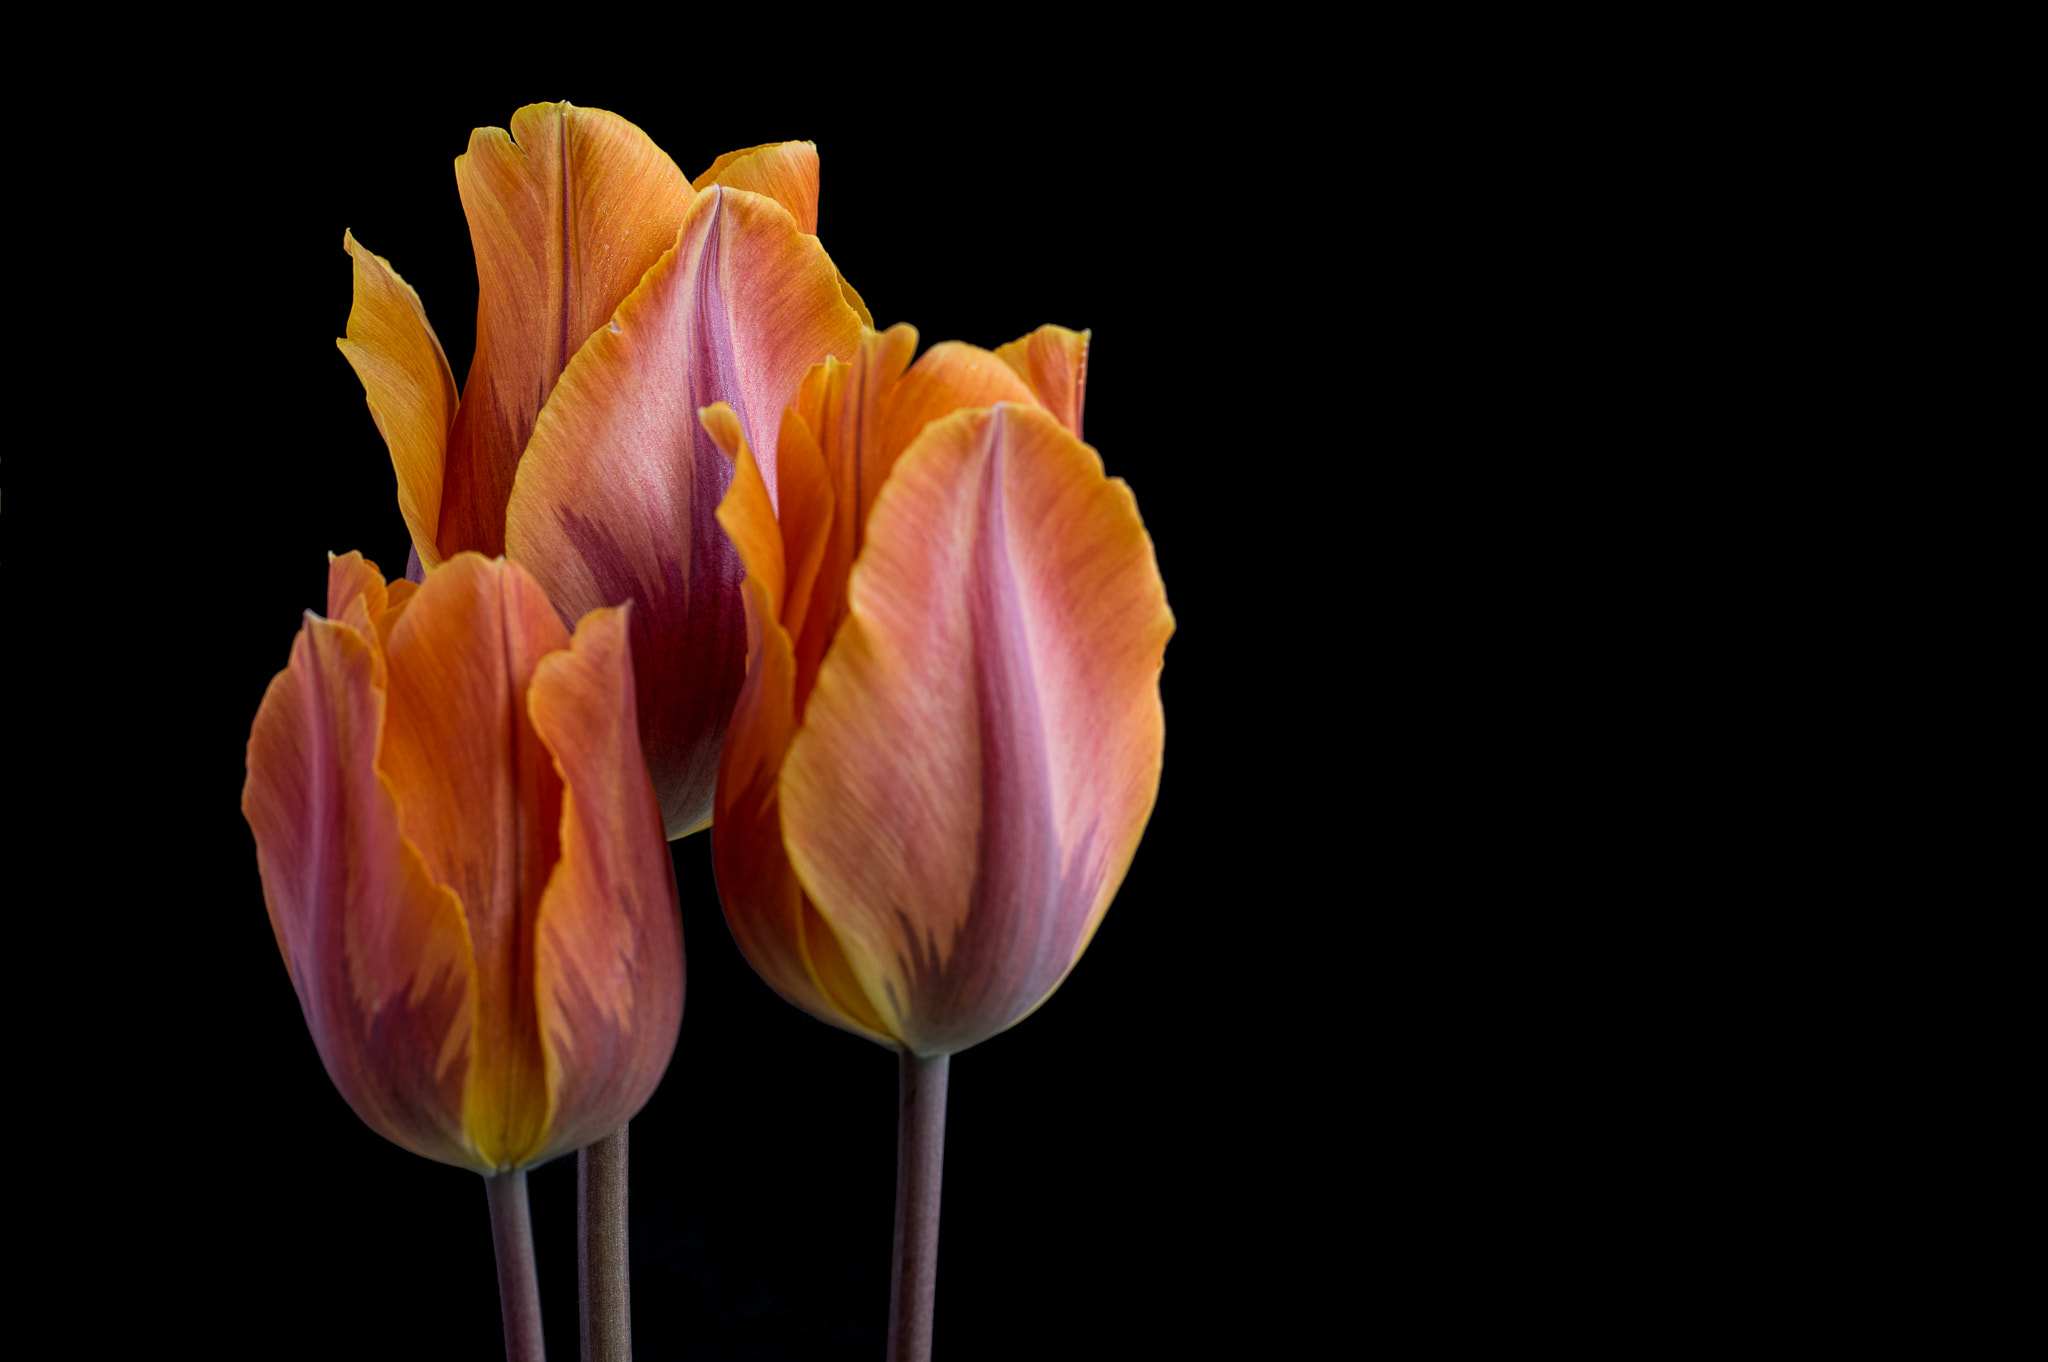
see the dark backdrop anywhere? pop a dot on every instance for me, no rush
(1098, 1185)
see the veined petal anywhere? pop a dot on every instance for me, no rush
(608, 947)
(774, 924)
(479, 796)
(786, 172)
(864, 414)
(982, 749)
(378, 952)
(407, 382)
(566, 214)
(1054, 361)
(618, 494)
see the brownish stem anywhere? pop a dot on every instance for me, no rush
(518, 1283)
(601, 1250)
(920, 1159)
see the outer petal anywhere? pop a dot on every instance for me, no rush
(608, 950)
(1054, 361)
(983, 746)
(616, 499)
(566, 214)
(479, 796)
(378, 952)
(408, 385)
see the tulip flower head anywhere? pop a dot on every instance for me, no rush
(950, 736)
(464, 863)
(615, 297)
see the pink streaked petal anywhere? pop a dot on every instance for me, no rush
(378, 952)
(618, 494)
(982, 749)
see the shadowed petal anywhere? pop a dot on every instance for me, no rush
(378, 952)
(408, 385)
(609, 944)
(617, 497)
(566, 213)
(1054, 361)
(774, 924)
(479, 796)
(982, 749)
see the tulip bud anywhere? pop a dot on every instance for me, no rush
(464, 864)
(950, 736)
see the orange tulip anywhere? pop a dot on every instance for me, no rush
(464, 864)
(949, 739)
(614, 299)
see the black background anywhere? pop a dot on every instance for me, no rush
(1106, 1172)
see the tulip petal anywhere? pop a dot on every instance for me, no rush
(864, 415)
(608, 947)
(773, 923)
(617, 497)
(786, 172)
(566, 214)
(378, 952)
(1054, 361)
(407, 382)
(480, 798)
(982, 750)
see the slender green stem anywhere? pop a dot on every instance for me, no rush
(920, 1159)
(518, 1282)
(602, 1258)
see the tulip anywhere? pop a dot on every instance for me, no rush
(465, 870)
(615, 297)
(950, 735)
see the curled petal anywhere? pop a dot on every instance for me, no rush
(608, 946)
(479, 796)
(566, 213)
(378, 952)
(1054, 361)
(982, 749)
(408, 385)
(617, 497)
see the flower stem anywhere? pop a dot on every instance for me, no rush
(518, 1283)
(920, 1159)
(602, 1258)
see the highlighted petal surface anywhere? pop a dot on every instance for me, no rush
(982, 749)
(481, 800)
(566, 213)
(608, 948)
(407, 383)
(617, 496)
